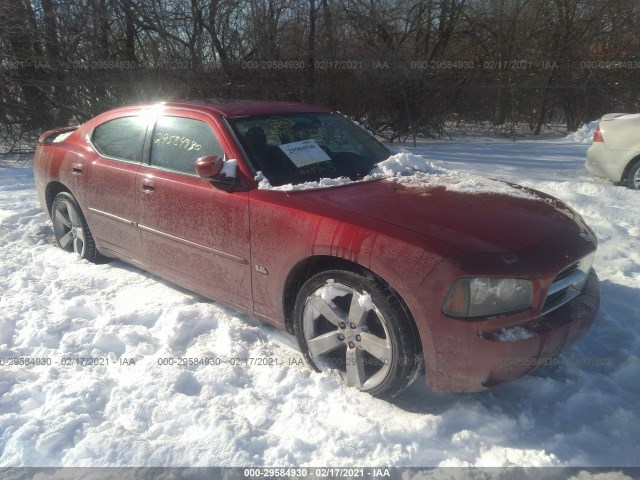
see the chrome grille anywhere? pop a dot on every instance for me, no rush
(566, 272)
(567, 284)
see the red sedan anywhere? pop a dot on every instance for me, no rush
(375, 278)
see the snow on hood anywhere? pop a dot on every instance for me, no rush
(584, 134)
(263, 183)
(412, 171)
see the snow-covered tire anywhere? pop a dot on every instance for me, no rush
(71, 230)
(633, 177)
(353, 323)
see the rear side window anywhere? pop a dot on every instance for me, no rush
(178, 142)
(120, 138)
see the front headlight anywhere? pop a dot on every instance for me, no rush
(482, 297)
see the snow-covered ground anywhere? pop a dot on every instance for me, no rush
(582, 412)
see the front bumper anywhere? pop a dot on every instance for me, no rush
(489, 358)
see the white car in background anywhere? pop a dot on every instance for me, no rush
(615, 151)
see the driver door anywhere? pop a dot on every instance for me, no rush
(193, 233)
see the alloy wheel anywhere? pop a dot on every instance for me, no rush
(68, 227)
(344, 330)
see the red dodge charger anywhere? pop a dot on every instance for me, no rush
(377, 279)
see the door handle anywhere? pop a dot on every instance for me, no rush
(77, 168)
(148, 186)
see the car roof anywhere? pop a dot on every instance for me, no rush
(245, 108)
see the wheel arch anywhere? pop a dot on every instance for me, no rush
(310, 266)
(53, 189)
(627, 169)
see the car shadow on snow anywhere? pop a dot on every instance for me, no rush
(570, 409)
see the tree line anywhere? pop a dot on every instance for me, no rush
(403, 68)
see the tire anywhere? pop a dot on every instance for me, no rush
(353, 323)
(71, 230)
(633, 177)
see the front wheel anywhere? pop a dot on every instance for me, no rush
(354, 324)
(71, 229)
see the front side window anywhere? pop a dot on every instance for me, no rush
(178, 142)
(120, 138)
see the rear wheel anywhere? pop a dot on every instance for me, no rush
(354, 324)
(71, 229)
(633, 178)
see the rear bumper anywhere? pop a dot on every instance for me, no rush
(593, 167)
(604, 162)
(490, 358)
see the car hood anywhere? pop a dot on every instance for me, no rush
(469, 222)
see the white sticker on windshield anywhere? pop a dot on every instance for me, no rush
(306, 152)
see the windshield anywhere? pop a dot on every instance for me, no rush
(301, 147)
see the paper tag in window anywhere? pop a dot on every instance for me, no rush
(306, 152)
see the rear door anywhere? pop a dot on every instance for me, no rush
(193, 232)
(106, 184)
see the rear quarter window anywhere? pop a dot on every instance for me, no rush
(120, 138)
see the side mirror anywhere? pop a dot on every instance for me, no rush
(215, 167)
(210, 166)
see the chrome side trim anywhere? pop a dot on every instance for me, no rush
(133, 261)
(112, 217)
(230, 256)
